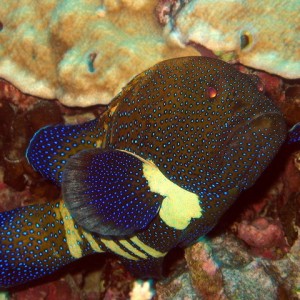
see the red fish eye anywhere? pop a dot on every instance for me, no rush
(211, 92)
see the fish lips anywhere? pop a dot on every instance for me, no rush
(253, 144)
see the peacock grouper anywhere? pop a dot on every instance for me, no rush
(157, 170)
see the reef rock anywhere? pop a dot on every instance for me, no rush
(261, 34)
(80, 52)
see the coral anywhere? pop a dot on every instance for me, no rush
(269, 224)
(222, 266)
(80, 52)
(166, 9)
(261, 35)
(22, 115)
(118, 282)
(205, 273)
(4, 295)
(141, 291)
(251, 282)
(244, 275)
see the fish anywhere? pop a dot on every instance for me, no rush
(155, 171)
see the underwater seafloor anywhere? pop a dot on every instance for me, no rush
(253, 253)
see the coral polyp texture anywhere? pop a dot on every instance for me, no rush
(261, 34)
(80, 52)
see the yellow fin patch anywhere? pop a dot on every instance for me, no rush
(179, 205)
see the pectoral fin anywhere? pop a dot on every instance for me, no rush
(106, 192)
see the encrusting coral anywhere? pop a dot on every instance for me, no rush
(80, 52)
(261, 34)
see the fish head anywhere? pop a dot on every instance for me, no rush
(206, 126)
(199, 120)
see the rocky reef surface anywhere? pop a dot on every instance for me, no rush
(262, 35)
(80, 52)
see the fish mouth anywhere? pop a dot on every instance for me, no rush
(251, 146)
(258, 122)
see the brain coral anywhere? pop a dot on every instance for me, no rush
(261, 34)
(81, 52)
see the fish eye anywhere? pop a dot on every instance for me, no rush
(211, 92)
(245, 39)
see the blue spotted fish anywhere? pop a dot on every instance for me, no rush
(157, 170)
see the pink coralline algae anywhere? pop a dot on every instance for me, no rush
(265, 237)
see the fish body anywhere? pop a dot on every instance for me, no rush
(157, 170)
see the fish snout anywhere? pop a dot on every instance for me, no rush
(251, 143)
(255, 143)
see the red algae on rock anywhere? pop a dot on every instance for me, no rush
(291, 105)
(264, 236)
(59, 289)
(18, 126)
